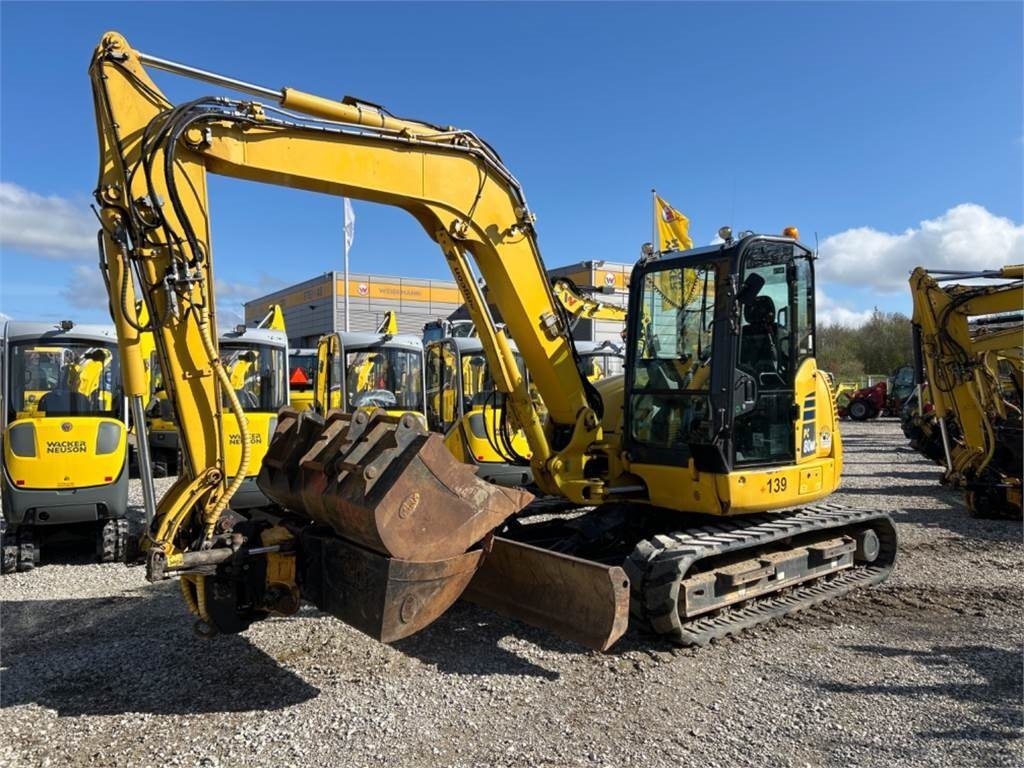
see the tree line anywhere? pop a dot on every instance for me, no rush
(882, 344)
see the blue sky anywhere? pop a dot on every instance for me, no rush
(894, 131)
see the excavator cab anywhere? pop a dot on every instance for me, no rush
(256, 361)
(600, 360)
(365, 370)
(464, 405)
(724, 377)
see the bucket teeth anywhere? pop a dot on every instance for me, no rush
(383, 482)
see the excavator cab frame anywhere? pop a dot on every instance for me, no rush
(726, 331)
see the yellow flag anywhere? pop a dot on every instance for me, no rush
(673, 227)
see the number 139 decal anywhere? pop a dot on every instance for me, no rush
(776, 484)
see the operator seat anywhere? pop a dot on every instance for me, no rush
(64, 401)
(759, 345)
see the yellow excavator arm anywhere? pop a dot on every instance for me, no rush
(153, 195)
(961, 332)
(581, 306)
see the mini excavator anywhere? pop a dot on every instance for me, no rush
(698, 479)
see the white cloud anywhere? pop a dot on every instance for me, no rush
(830, 312)
(85, 288)
(965, 237)
(48, 226)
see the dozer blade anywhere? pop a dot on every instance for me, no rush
(580, 600)
(399, 518)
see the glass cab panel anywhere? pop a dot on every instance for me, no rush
(385, 377)
(257, 373)
(442, 378)
(776, 335)
(670, 403)
(67, 378)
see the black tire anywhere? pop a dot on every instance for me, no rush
(859, 410)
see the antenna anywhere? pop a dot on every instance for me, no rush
(815, 244)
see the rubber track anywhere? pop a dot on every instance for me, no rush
(657, 566)
(113, 544)
(27, 554)
(8, 553)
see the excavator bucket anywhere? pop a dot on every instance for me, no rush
(400, 520)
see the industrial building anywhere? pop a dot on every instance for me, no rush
(317, 306)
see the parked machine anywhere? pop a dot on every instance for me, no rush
(883, 398)
(720, 418)
(601, 359)
(256, 360)
(301, 378)
(969, 348)
(465, 405)
(368, 370)
(64, 431)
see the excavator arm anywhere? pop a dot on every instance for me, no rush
(415, 537)
(980, 431)
(583, 307)
(153, 193)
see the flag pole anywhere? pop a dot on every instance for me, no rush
(346, 284)
(344, 232)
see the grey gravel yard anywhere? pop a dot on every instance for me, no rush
(97, 667)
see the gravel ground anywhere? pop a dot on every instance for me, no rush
(100, 668)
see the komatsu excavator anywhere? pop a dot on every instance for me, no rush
(969, 349)
(706, 466)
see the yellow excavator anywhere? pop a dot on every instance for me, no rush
(465, 406)
(255, 359)
(969, 348)
(64, 440)
(705, 468)
(370, 369)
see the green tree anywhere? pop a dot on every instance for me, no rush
(885, 342)
(838, 352)
(879, 346)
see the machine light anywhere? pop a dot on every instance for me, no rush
(791, 232)
(240, 328)
(22, 439)
(67, 325)
(725, 233)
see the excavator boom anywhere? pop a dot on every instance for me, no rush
(364, 493)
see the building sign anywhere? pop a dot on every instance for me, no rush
(395, 291)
